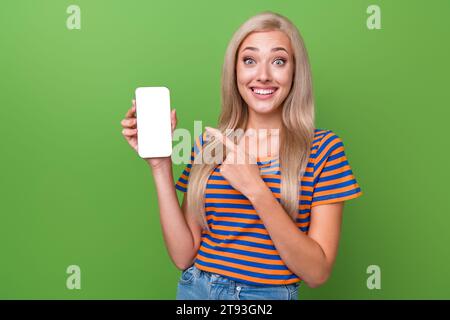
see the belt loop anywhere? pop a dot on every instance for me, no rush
(231, 287)
(197, 272)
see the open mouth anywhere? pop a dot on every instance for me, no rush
(263, 93)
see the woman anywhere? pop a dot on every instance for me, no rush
(256, 230)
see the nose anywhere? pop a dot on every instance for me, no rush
(263, 73)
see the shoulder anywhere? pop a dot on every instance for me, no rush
(326, 138)
(327, 145)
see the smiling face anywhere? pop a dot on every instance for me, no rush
(264, 70)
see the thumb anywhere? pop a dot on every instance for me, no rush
(173, 117)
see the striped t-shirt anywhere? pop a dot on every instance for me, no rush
(238, 245)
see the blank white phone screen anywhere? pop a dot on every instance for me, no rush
(153, 122)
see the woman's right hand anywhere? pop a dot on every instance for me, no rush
(130, 133)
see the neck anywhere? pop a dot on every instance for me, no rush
(268, 143)
(257, 121)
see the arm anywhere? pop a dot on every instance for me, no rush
(311, 256)
(182, 233)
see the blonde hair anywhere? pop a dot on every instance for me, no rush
(296, 133)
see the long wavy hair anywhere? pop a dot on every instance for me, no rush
(296, 133)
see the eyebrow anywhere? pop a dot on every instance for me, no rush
(273, 49)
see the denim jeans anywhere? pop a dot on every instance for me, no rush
(196, 284)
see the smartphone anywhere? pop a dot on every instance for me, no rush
(153, 122)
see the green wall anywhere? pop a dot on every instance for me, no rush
(73, 192)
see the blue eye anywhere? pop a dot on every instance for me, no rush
(245, 59)
(284, 61)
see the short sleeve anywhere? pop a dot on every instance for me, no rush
(333, 177)
(183, 180)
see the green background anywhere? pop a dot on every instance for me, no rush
(73, 192)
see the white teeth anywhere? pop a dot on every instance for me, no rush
(261, 91)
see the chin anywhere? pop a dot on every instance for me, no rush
(263, 109)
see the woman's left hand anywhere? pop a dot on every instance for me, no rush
(239, 167)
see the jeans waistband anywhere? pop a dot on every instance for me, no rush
(219, 279)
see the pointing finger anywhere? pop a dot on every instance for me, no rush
(225, 140)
